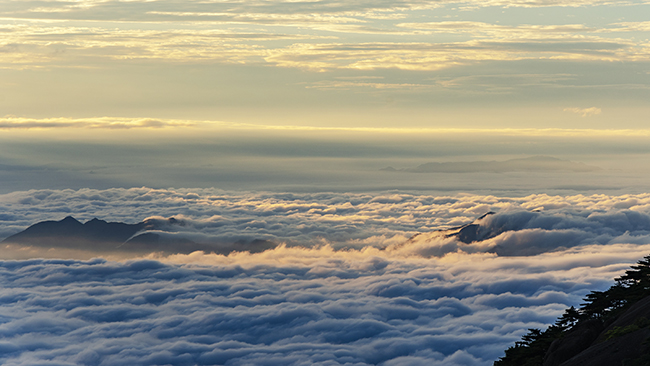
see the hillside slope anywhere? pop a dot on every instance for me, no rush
(611, 329)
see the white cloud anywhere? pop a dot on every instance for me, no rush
(584, 112)
(293, 306)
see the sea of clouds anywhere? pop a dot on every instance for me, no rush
(344, 286)
(527, 225)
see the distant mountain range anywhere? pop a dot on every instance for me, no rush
(101, 236)
(531, 164)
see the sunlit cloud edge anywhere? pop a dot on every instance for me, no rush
(123, 123)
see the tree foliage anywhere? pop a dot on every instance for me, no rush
(631, 287)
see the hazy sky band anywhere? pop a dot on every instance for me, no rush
(107, 152)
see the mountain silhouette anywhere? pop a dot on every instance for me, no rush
(468, 233)
(72, 234)
(530, 164)
(102, 236)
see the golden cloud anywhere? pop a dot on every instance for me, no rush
(100, 122)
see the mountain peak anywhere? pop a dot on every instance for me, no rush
(95, 221)
(486, 215)
(70, 220)
(70, 233)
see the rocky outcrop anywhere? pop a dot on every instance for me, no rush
(624, 342)
(624, 350)
(574, 341)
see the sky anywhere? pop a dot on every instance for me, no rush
(430, 64)
(346, 135)
(321, 95)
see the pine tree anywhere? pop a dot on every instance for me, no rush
(631, 287)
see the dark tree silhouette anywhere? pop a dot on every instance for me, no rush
(631, 287)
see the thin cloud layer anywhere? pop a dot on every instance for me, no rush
(252, 9)
(584, 112)
(42, 44)
(338, 35)
(101, 122)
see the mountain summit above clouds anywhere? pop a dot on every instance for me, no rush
(72, 234)
(524, 233)
(151, 235)
(475, 232)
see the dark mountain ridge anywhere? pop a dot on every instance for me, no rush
(102, 236)
(474, 232)
(76, 235)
